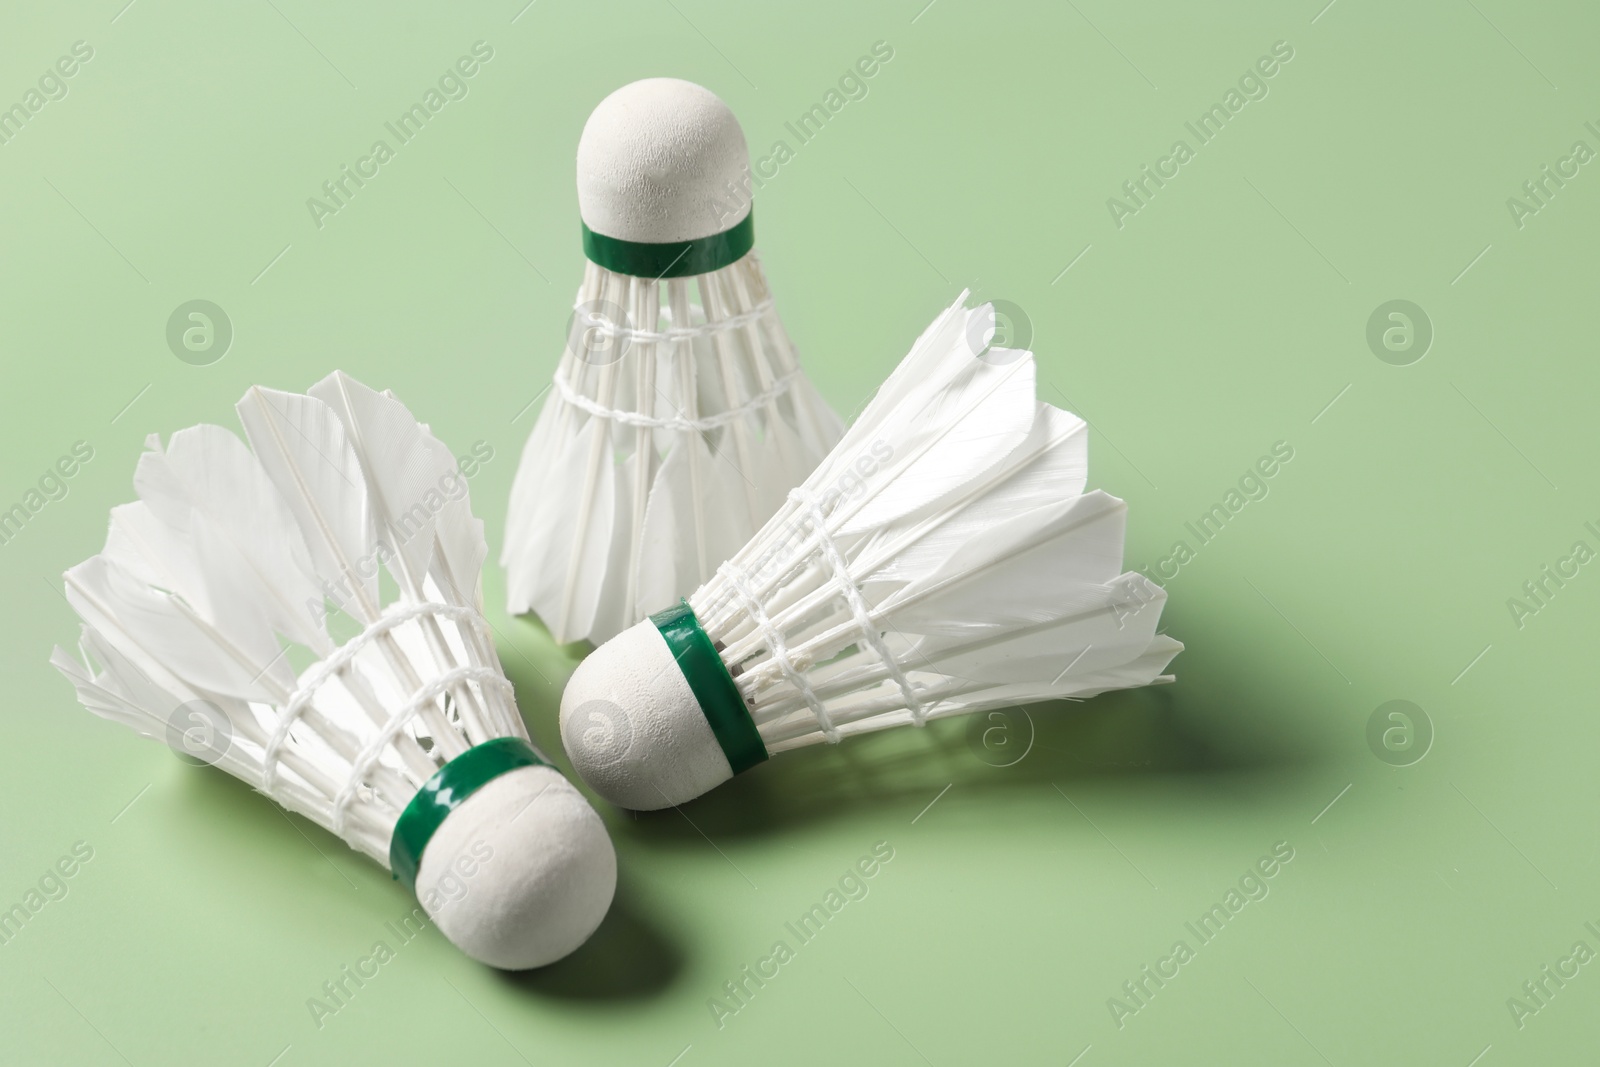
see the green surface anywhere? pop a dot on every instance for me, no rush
(1227, 314)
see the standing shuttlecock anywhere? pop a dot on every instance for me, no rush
(209, 622)
(679, 416)
(943, 559)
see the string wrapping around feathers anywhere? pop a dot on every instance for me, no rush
(943, 559)
(404, 738)
(679, 414)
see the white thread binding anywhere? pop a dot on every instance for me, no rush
(420, 699)
(858, 606)
(593, 320)
(395, 615)
(677, 422)
(780, 651)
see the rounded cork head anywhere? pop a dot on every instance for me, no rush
(633, 728)
(660, 161)
(521, 873)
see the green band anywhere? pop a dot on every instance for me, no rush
(676, 259)
(445, 791)
(712, 686)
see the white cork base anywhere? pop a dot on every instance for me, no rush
(521, 873)
(662, 160)
(633, 729)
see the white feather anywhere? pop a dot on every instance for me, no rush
(459, 533)
(949, 440)
(987, 575)
(144, 622)
(208, 486)
(1050, 467)
(303, 447)
(406, 467)
(676, 505)
(611, 520)
(225, 562)
(574, 525)
(149, 549)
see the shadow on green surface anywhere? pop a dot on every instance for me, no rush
(1230, 716)
(628, 958)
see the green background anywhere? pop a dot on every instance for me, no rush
(1228, 314)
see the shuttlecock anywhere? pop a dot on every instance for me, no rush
(679, 415)
(403, 738)
(943, 559)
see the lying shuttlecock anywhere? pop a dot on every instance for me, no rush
(943, 559)
(679, 416)
(404, 739)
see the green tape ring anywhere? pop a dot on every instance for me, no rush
(676, 259)
(712, 686)
(449, 787)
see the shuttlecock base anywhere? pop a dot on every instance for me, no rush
(634, 728)
(521, 872)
